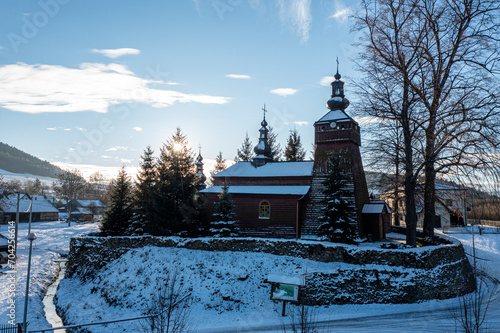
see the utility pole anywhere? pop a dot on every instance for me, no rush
(17, 224)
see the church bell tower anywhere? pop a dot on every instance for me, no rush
(336, 133)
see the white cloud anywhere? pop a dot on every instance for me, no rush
(238, 76)
(300, 123)
(326, 80)
(137, 129)
(92, 87)
(117, 148)
(106, 156)
(284, 91)
(51, 128)
(341, 12)
(296, 14)
(115, 53)
(126, 160)
(67, 129)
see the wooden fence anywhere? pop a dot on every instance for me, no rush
(8, 328)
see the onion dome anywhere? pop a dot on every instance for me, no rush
(337, 100)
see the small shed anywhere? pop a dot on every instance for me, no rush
(376, 219)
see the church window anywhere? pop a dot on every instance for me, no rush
(264, 210)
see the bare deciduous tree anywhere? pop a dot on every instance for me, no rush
(68, 186)
(442, 56)
(169, 307)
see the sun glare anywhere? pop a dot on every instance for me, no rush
(178, 146)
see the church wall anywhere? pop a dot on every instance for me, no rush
(281, 223)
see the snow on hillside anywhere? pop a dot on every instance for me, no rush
(22, 177)
(53, 239)
(226, 295)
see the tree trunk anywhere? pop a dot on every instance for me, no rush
(411, 214)
(430, 177)
(429, 199)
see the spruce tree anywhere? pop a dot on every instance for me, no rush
(220, 165)
(276, 153)
(225, 223)
(337, 214)
(143, 203)
(245, 152)
(294, 150)
(173, 195)
(120, 212)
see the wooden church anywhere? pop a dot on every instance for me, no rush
(284, 199)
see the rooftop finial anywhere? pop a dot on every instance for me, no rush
(337, 76)
(264, 122)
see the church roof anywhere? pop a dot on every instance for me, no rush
(252, 189)
(334, 115)
(271, 169)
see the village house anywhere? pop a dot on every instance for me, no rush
(450, 206)
(42, 210)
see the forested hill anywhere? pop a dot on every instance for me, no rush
(17, 161)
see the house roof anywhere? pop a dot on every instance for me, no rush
(375, 208)
(88, 203)
(270, 190)
(40, 204)
(271, 169)
(335, 115)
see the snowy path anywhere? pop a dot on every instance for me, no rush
(53, 240)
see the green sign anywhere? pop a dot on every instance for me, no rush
(286, 292)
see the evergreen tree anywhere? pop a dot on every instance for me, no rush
(118, 216)
(245, 152)
(173, 195)
(276, 153)
(224, 224)
(143, 203)
(294, 150)
(220, 165)
(337, 214)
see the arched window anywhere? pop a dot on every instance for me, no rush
(264, 210)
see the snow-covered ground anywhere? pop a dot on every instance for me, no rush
(131, 280)
(53, 240)
(23, 177)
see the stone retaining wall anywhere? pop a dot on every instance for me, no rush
(379, 275)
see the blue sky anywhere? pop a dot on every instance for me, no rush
(92, 83)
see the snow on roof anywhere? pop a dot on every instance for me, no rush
(271, 169)
(4, 241)
(40, 204)
(88, 203)
(375, 208)
(335, 115)
(285, 279)
(278, 190)
(441, 187)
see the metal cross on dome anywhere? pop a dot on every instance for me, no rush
(264, 109)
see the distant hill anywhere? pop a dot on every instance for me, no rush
(17, 161)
